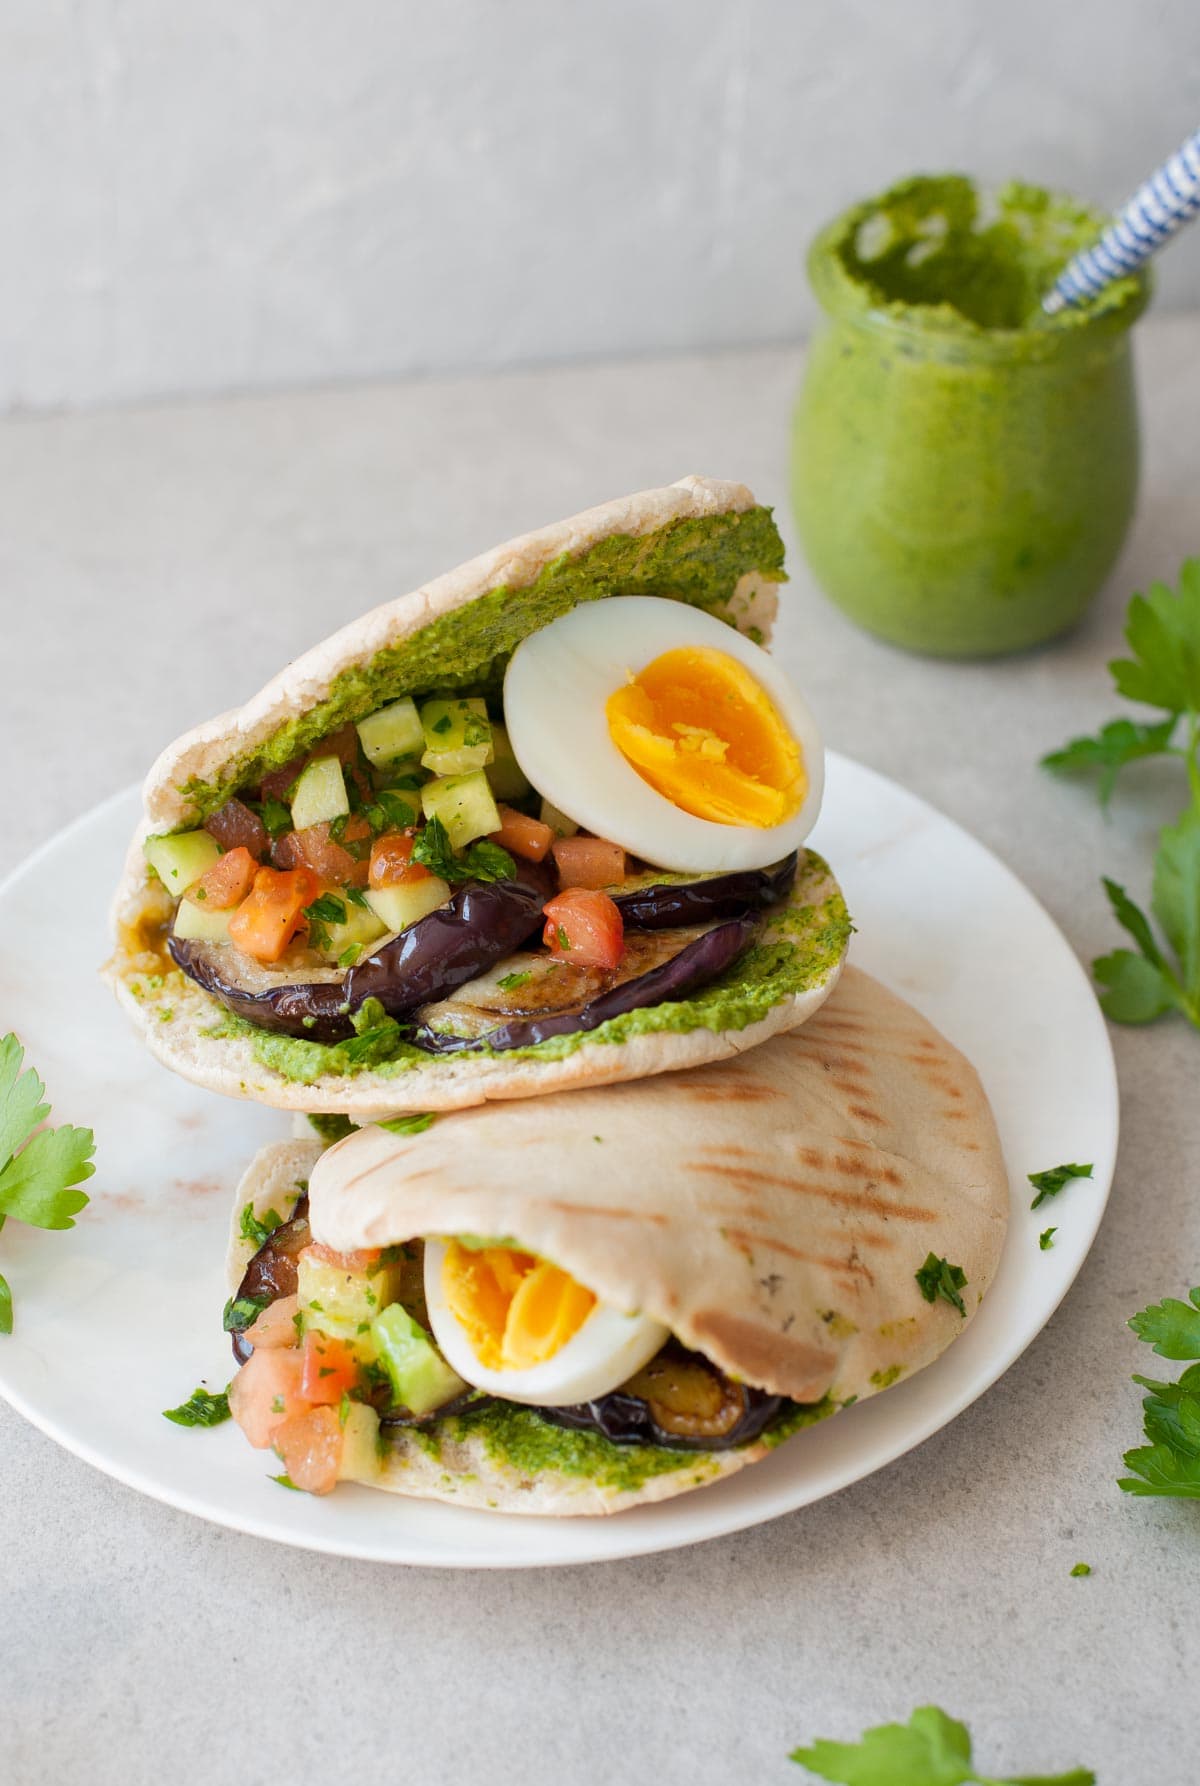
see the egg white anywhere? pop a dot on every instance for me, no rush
(606, 1350)
(555, 690)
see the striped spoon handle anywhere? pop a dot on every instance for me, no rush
(1169, 199)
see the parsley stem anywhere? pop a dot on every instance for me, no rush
(1193, 760)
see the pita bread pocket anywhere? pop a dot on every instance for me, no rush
(538, 824)
(615, 1295)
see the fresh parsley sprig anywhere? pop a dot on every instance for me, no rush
(40, 1169)
(932, 1749)
(1163, 671)
(1050, 1182)
(1169, 1463)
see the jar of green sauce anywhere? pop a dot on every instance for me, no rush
(964, 468)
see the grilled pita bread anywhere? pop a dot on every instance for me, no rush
(183, 1026)
(772, 1211)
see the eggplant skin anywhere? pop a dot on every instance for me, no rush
(665, 907)
(693, 967)
(628, 1420)
(481, 924)
(274, 1270)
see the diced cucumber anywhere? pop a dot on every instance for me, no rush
(339, 1302)
(398, 907)
(458, 735)
(362, 926)
(200, 923)
(506, 778)
(420, 1377)
(464, 804)
(319, 794)
(558, 821)
(395, 731)
(181, 859)
(360, 1460)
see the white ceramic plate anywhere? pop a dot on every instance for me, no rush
(120, 1318)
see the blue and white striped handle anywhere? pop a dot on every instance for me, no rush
(1169, 199)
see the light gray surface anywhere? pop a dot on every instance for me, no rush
(216, 196)
(156, 566)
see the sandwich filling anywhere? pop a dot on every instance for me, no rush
(346, 1355)
(497, 868)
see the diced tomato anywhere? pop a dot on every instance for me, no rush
(276, 1326)
(330, 1368)
(236, 827)
(272, 912)
(588, 862)
(310, 1448)
(359, 1262)
(332, 863)
(584, 924)
(266, 1392)
(522, 836)
(391, 861)
(226, 883)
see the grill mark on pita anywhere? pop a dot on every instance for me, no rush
(746, 1238)
(623, 1215)
(865, 1113)
(725, 1093)
(863, 1200)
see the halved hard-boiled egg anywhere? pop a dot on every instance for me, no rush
(655, 725)
(519, 1327)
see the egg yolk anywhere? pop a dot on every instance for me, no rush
(516, 1310)
(705, 734)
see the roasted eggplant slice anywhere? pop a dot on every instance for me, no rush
(663, 905)
(693, 967)
(482, 923)
(680, 1401)
(273, 1271)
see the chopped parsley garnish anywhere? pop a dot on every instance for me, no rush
(242, 1312)
(1046, 1238)
(390, 813)
(938, 1278)
(510, 982)
(40, 1169)
(1051, 1182)
(350, 955)
(1169, 1464)
(276, 817)
(326, 910)
(483, 861)
(932, 1749)
(1082, 1569)
(285, 1481)
(442, 724)
(356, 896)
(200, 1409)
(564, 941)
(344, 1409)
(410, 1125)
(258, 1229)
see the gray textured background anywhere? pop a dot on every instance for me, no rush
(165, 562)
(211, 195)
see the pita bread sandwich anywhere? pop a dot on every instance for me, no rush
(613, 1295)
(538, 824)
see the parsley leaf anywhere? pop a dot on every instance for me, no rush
(1120, 742)
(1171, 1327)
(40, 1169)
(510, 982)
(1046, 1238)
(285, 1481)
(1081, 1569)
(938, 1278)
(932, 1749)
(1051, 1182)
(409, 1125)
(200, 1409)
(258, 1229)
(242, 1311)
(1162, 630)
(1170, 1463)
(484, 861)
(276, 817)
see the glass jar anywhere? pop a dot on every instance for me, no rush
(964, 469)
